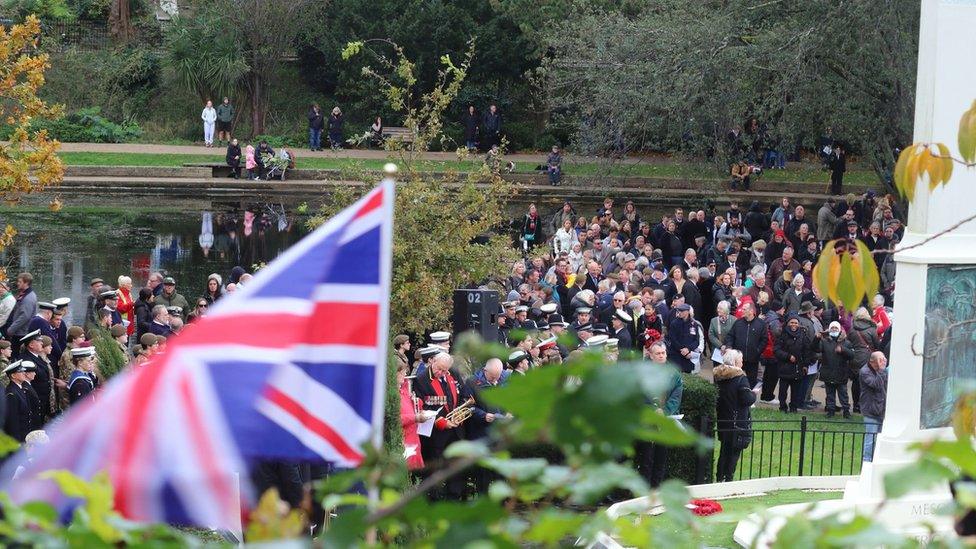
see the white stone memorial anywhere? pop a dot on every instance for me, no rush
(934, 289)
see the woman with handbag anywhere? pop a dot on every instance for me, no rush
(735, 398)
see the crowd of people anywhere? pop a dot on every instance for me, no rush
(49, 365)
(728, 291)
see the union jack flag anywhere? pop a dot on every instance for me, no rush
(290, 367)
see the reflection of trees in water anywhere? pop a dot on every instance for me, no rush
(252, 236)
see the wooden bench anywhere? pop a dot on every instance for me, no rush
(218, 169)
(404, 135)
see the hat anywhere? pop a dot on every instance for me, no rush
(118, 330)
(96, 280)
(19, 366)
(545, 344)
(75, 331)
(148, 339)
(522, 309)
(36, 334)
(516, 357)
(400, 340)
(597, 341)
(530, 324)
(174, 310)
(439, 337)
(833, 325)
(630, 257)
(556, 319)
(169, 281)
(600, 329)
(429, 351)
(4, 344)
(45, 306)
(510, 304)
(656, 254)
(583, 310)
(792, 316)
(806, 307)
(588, 327)
(548, 308)
(622, 315)
(683, 307)
(109, 294)
(61, 302)
(541, 324)
(612, 344)
(852, 223)
(82, 351)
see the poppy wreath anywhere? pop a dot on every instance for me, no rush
(705, 507)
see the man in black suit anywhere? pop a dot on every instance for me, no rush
(30, 351)
(593, 276)
(438, 390)
(621, 322)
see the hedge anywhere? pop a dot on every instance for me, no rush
(698, 401)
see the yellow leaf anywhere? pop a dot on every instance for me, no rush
(847, 284)
(946, 158)
(967, 134)
(964, 416)
(869, 270)
(821, 271)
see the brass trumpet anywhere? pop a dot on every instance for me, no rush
(461, 414)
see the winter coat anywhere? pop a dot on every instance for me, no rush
(748, 337)
(470, 123)
(233, 156)
(24, 311)
(408, 420)
(682, 334)
(874, 391)
(834, 365)
(735, 398)
(316, 119)
(796, 344)
(143, 317)
(249, 161)
(717, 330)
(792, 300)
(225, 113)
(689, 290)
(864, 340)
(209, 115)
(826, 223)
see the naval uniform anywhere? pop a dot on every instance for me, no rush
(80, 385)
(42, 383)
(21, 414)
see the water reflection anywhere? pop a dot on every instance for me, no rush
(65, 250)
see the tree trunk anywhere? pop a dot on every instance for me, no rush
(258, 104)
(120, 21)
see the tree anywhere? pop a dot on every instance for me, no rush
(28, 161)
(236, 48)
(120, 21)
(440, 241)
(679, 74)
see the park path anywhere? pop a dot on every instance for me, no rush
(363, 154)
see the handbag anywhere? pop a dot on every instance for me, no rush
(741, 435)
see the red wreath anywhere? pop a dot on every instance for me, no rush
(650, 336)
(705, 507)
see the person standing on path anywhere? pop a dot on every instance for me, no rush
(492, 126)
(335, 129)
(838, 165)
(316, 121)
(209, 117)
(225, 120)
(874, 393)
(471, 123)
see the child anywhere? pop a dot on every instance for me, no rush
(250, 163)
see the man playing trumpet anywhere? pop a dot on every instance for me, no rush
(439, 391)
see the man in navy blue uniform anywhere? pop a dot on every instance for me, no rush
(21, 415)
(30, 351)
(682, 338)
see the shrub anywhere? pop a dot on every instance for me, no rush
(88, 126)
(698, 401)
(111, 360)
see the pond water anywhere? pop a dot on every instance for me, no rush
(65, 250)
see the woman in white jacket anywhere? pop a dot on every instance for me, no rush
(565, 237)
(209, 117)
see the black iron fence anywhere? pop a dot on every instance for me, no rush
(787, 447)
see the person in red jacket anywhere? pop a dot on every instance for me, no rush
(126, 305)
(411, 414)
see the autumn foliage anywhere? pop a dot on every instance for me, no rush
(29, 161)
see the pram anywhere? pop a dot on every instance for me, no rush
(278, 165)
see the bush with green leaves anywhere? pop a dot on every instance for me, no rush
(46, 10)
(111, 359)
(698, 405)
(88, 126)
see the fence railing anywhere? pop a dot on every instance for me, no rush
(786, 447)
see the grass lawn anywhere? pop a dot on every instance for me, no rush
(669, 170)
(831, 447)
(717, 529)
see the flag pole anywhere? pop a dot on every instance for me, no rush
(386, 274)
